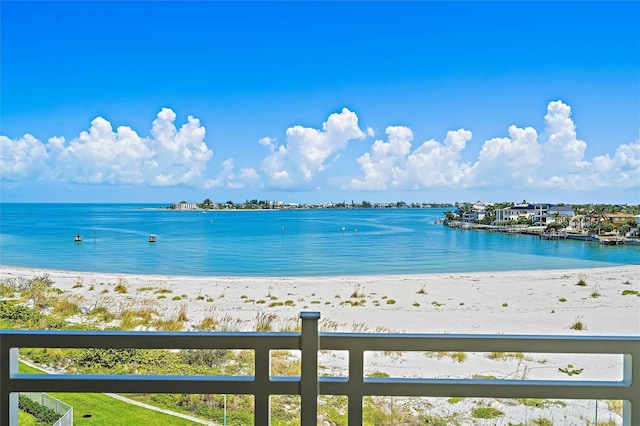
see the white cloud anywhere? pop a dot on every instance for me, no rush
(383, 165)
(554, 160)
(509, 159)
(307, 150)
(438, 164)
(22, 157)
(102, 155)
(267, 141)
(392, 164)
(524, 158)
(370, 132)
(227, 178)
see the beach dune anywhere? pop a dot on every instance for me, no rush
(514, 302)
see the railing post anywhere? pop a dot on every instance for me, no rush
(309, 375)
(631, 373)
(8, 400)
(356, 374)
(262, 399)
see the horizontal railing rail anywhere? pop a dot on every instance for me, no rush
(308, 385)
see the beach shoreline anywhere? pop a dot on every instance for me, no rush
(513, 302)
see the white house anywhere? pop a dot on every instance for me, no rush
(526, 211)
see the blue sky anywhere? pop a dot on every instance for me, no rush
(320, 101)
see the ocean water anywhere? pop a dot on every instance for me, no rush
(274, 243)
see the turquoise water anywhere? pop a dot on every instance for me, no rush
(274, 243)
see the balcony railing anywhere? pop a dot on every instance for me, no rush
(309, 385)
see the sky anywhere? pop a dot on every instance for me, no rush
(330, 101)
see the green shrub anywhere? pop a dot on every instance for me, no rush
(40, 412)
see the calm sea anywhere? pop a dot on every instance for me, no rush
(274, 243)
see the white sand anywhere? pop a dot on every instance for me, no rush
(514, 302)
(449, 303)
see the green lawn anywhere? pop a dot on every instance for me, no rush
(99, 409)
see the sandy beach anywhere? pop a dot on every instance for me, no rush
(546, 302)
(514, 302)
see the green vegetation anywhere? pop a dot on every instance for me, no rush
(40, 412)
(570, 370)
(121, 286)
(629, 292)
(51, 310)
(102, 410)
(578, 325)
(486, 413)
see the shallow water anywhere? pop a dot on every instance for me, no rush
(274, 243)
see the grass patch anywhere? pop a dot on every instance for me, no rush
(486, 413)
(358, 292)
(629, 292)
(505, 355)
(107, 411)
(581, 282)
(540, 403)
(391, 302)
(121, 286)
(562, 299)
(578, 325)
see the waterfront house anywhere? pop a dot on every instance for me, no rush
(558, 213)
(526, 211)
(473, 215)
(618, 219)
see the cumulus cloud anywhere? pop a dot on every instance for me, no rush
(307, 150)
(508, 159)
(384, 165)
(391, 164)
(439, 164)
(21, 157)
(101, 155)
(553, 159)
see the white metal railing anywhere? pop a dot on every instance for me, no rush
(308, 385)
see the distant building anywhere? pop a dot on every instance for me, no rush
(541, 214)
(561, 212)
(475, 214)
(618, 219)
(185, 206)
(526, 211)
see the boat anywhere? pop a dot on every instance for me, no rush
(78, 238)
(152, 238)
